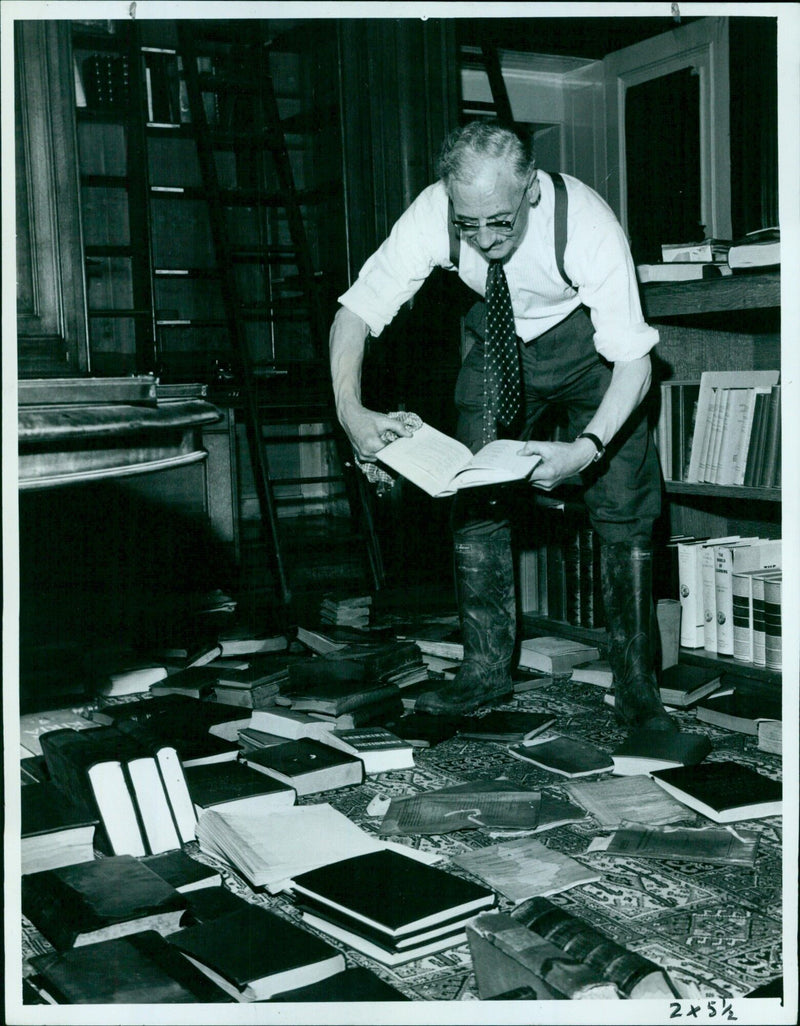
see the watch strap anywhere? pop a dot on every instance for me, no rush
(601, 449)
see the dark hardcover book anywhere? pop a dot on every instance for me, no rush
(634, 975)
(355, 662)
(194, 682)
(643, 751)
(181, 871)
(773, 622)
(92, 901)
(758, 433)
(424, 729)
(684, 685)
(725, 792)
(344, 926)
(573, 569)
(412, 897)
(55, 830)
(195, 745)
(505, 726)
(233, 786)
(179, 712)
(556, 581)
(591, 609)
(564, 755)
(772, 439)
(378, 748)
(33, 769)
(255, 954)
(379, 712)
(773, 989)
(209, 903)
(336, 697)
(355, 984)
(138, 969)
(307, 765)
(737, 707)
(92, 772)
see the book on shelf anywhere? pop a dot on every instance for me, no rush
(739, 706)
(594, 671)
(636, 977)
(441, 465)
(687, 270)
(236, 787)
(756, 448)
(307, 765)
(703, 251)
(511, 963)
(610, 801)
(93, 773)
(770, 470)
(773, 622)
(566, 756)
(770, 736)
(708, 564)
(713, 385)
(505, 725)
(524, 867)
(758, 249)
(555, 655)
(728, 560)
(378, 748)
(759, 635)
(715, 845)
(97, 900)
(742, 592)
(690, 588)
(288, 723)
(724, 792)
(55, 830)
(354, 984)
(643, 751)
(418, 904)
(255, 954)
(181, 871)
(682, 685)
(141, 968)
(271, 848)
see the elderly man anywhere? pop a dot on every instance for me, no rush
(563, 325)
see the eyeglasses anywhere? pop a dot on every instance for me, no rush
(500, 227)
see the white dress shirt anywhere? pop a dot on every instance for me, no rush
(597, 259)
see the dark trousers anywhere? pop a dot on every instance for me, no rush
(562, 369)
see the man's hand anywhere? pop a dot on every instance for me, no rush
(367, 431)
(559, 461)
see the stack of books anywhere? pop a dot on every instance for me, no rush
(418, 909)
(352, 611)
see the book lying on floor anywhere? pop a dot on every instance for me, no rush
(423, 730)
(194, 682)
(563, 755)
(595, 671)
(770, 736)
(510, 962)
(55, 831)
(270, 848)
(497, 806)
(287, 723)
(683, 685)
(255, 954)
(525, 867)
(336, 697)
(307, 765)
(715, 845)
(378, 748)
(441, 465)
(93, 901)
(555, 655)
(235, 787)
(636, 977)
(241, 640)
(643, 751)
(505, 726)
(725, 792)
(141, 968)
(610, 801)
(737, 707)
(355, 984)
(181, 871)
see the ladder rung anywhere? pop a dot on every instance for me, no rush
(267, 255)
(190, 322)
(185, 272)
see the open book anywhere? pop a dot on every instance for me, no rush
(440, 465)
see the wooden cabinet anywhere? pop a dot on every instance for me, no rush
(51, 319)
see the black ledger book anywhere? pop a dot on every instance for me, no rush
(723, 791)
(93, 901)
(254, 954)
(307, 765)
(55, 830)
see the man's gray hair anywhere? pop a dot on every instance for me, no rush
(466, 148)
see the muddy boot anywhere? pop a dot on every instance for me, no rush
(626, 573)
(487, 611)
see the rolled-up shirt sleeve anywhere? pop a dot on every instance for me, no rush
(417, 244)
(606, 277)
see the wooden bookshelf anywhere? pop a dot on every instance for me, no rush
(755, 291)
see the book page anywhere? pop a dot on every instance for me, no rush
(496, 462)
(429, 458)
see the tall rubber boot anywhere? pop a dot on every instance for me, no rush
(626, 574)
(487, 610)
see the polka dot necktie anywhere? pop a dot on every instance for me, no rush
(502, 369)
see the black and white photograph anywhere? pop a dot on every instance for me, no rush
(401, 560)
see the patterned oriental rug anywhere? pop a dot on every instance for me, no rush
(715, 929)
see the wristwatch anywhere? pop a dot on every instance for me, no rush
(601, 449)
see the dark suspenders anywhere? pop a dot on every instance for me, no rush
(559, 227)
